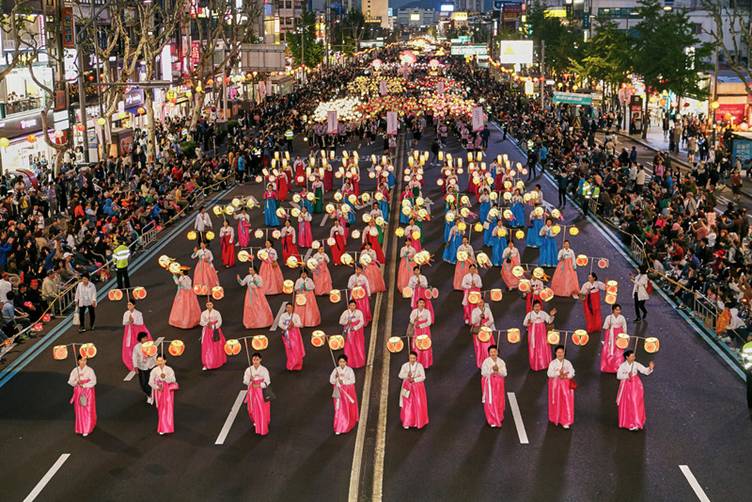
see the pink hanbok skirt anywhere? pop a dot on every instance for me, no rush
(186, 312)
(294, 349)
(425, 357)
(309, 313)
(375, 278)
(322, 279)
(259, 410)
(467, 307)
(244, 233)
(611, 355)
(494, 399)
(364, 305)
(345, 409)
(539, 352)
(305, 236)
(212, 352)
(631, 402)
(564, 281)
(506, 273)
(256, 310)
(205, 274)
(592, 307)
(164, 400)
(130, 339)
(355, 348)
(405, 271)
(414, 408)
(481, 349)
(86, 416)
(417, 295)
(271, 278)
(461, 269)
(560, 402)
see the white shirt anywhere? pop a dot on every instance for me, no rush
(640, 287)
(415, 369)
(566, 253)
(546, 231)
(418, 281)
(555, 366)
(359, 280)
(5, 288)
(533, 317)
(156, 376)
(78, 374)
(272, 254)
(252, 374)
(472, 281)
(203, 254)
(304, 284)
(203, 221)
(287, 321)
(421, 318)
(352, 319)
(486, 369)
(252, 281)
(488, 317)
(613, 322)
(227, 231)
(211, 316)
(183, 281)
(86, 295)
(288, 231)
(347, 376)
(592, 287)
(510, 253)
(140, 361)
(321, 258)
(135, 316)
(626, 370)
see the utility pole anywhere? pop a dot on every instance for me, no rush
(82, 98)
(543, 73)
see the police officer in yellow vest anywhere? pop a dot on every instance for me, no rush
(120, 257)
(289, 135)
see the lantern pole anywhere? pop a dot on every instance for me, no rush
(247, 352)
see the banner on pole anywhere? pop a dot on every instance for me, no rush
(392, 124)
(479, 119)
(331, 122)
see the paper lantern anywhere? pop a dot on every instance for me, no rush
(581, 260)
(358, 293)
(4, 142)
(47, 317)
(496, 295)
(336, 342)
(300, 300)
(217, 210)
(415, 235)
(259, 234)
(141, 110)
(622, 341)
(518, 271)
(461, 226)
(115, 295)
(318, 338)
(399, 232)
(547, 294)
(176, 348)
(555, 230)
(139, 293)
(474, 297)
(217, 292)
(292, 261)
(524, 285)
(555, 214)
(232, 347)
(244, 256)
(192, 235)
(484, 334)
(259, 342)
(407, 292)
(164, 261)
(483, 259)
(580, 337)
(356, 234)
(603, 263)
(149, 348)
(422, 342)
(287, 286)
(201, 289)
(462, 255)
(346, 259)
(538, 272)
(395, 344)
(513, 335)
(652, 345)
(574, 231)
(316, 244)
(175, 267)
(60, 352)
(553, 337)
(478, 227)
(209, 235)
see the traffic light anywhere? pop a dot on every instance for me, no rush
(586, 21)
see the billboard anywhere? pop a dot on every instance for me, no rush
(469, 50)
(516, 52)
(573, 98)
(447, 7)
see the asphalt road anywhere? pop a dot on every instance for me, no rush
(696, 409)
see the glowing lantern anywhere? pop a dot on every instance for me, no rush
(538, 273)
(201, 289)
(547, 294)
(513, 335)
(232, 347)
(519, 234)
(524, 286)
(622, 340)
(423, 342)
(318, 338)
(259, 234)
(574, 231)
(612, 287)
(243, 256)
(358, 293)
(60, 352)
(192, 235)
(175, 267)
(407, 292)
(209, 235)
(176, 348)
(474, 297)
(395, 344)
(603, 263)
(115, 295)
(580, 337)
(553, 337)
(259, 342)
(139, 293)
(484, 334)
(581, 260)
(652, 345)
(4, 142)
(288, 286)
(149, 348)
(217, 292)
(610, 298)
(336, 342)
(335, 296)
(292, 261)
(164, 261)
(518, 271)
(496, 295)
(300, 300)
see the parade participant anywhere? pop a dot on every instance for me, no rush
(270, 207)
(339, 243)
(631, 395)
(413, 402)
(352, 323)
(305, 235)
(407, 252)
(493, 371)
(453, 242)
(212, 339)
(372, 270)
(317, 186)
(256, 377)
(536, 286)
(371, 236)
(271, 275)
(163, 386)
(143, 364)
(421, 320)
(539, 353)
(485, 205)
(289, 240)
(462, 267)
(419, 284)
(344, 397)
(202, 224)
(227, 244)
(256, 310)
(282, 185)
(204, 274)
(413, 229)
(548, 251)
(498, 243)
(309, 312)
(358, 279)
(322, 278)
(510, 258)
(591, 302)
(133, 325)
(534, 239)
(83, 380)
(561, 390)
(613, 325)
(518, 210)
(185, 312)
(564, 282)
(471, 282)
(481, 317)
(640, 292)
(244, 227)
(290, 324)
(299, 166)
(86, 299)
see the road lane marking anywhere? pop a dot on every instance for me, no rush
(231, 417)
(46, 478)
(323, 220)
(279, 314)
(517, 418)
(131, 374)
(701, 496)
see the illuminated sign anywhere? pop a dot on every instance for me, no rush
(447, 7)
(516, 52)
(469, 50)
(459, 16)
(556, 12)
(415, 17)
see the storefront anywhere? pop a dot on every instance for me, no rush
(22, 142)
(20, 94)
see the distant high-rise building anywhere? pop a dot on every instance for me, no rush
(376, 11)
(468, 5)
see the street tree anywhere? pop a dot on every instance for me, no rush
(302, 43)
(17, 29)
(563, 41)
(731, 35)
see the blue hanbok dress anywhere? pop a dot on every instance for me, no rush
(518, 210)
(548, 251)
(533, 235)
(451, 246)
(270, 212)
(498, 245)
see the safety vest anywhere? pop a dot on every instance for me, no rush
(289, 135)
(596, 192)
(120, 256)
(586, 190)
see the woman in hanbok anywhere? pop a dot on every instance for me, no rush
(344, 397)
(317, 186)
(289, 241)
(309, 311)
(204, 274)
(462, 267)
(534, 239)
(564, 281)
(212, 339)
(536, 286)
(471, 282)
(372, 270)
(256, 310)
(352, 323)
(227, 244)
(419, 284)
(498, 243)
(421, 320)
(244, 227)
(481, 317)
(560, 390)
(536, 322)
(518, 210)
(300, 171)
(383, 199)
(283, 185)
(328, 177)
(485, 205)
(631, 395)
(613, 326)
(305, 235)
(591, 302)
(322, 278)
(133, 324)
(83, 380)
(271, 274)
(411, 231)
(185, 312)
(290, 324)
(548, 252)
(450, 221)
(413, 402)
(453, 243)
(406, 264)
(493, 372)
(359, 279)
(270, 207)
(510, 258)
(337, 242)
(163, 386)
(489, 224)
(256, 377)
(371, 236)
